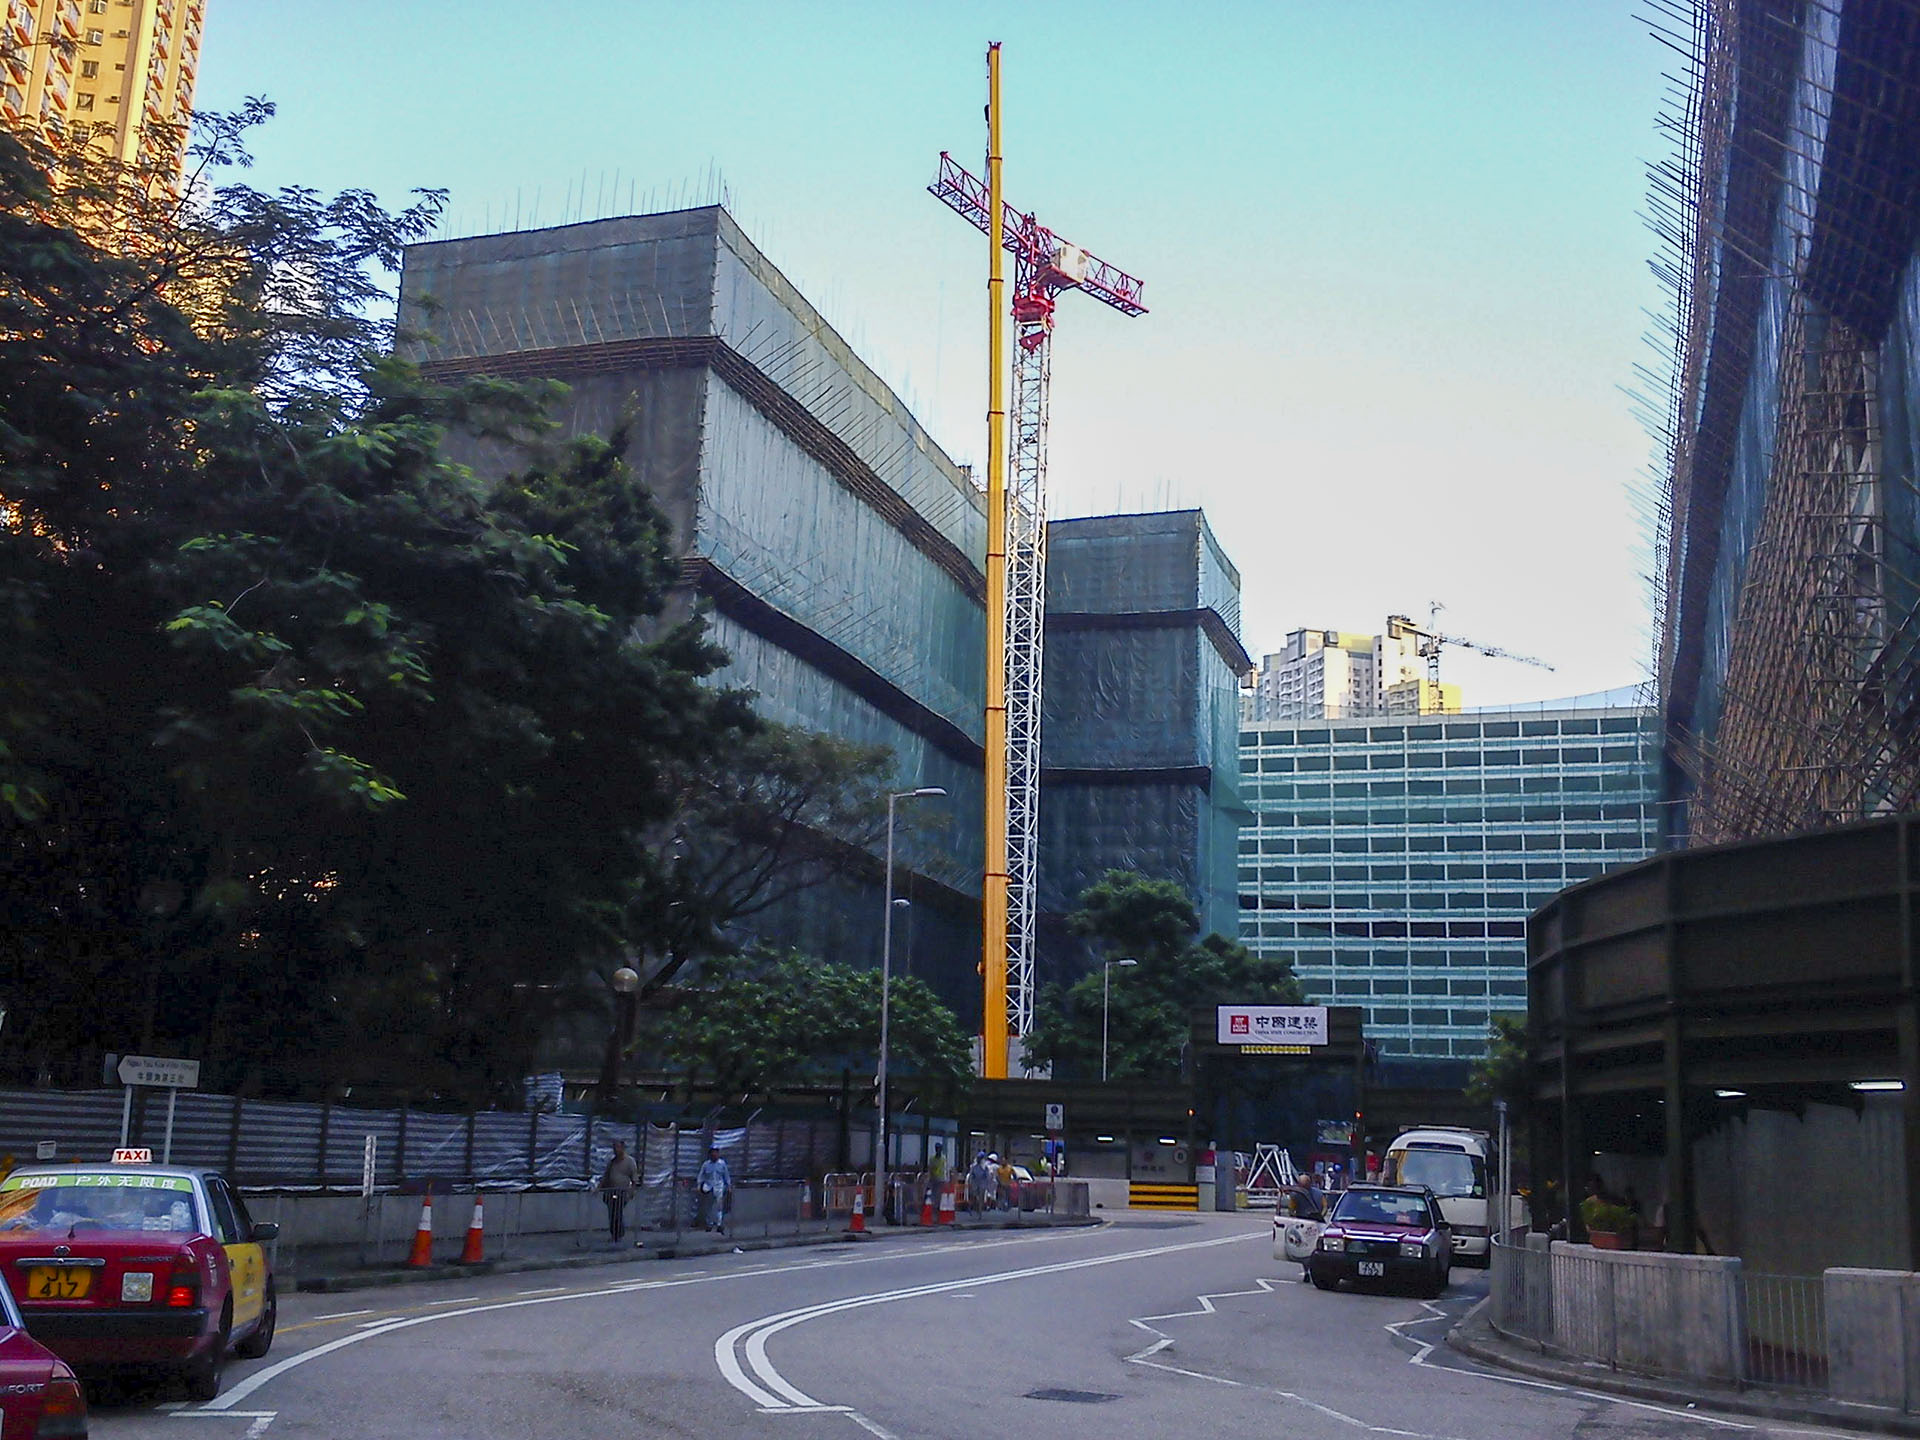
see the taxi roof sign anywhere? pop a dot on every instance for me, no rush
(137, 1155)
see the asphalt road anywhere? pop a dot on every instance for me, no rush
(1149, 1326)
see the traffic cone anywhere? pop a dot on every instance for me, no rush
(926, 1208)
(476, 1235)
(946, 1204)
(422, 1255)
(858, 1225)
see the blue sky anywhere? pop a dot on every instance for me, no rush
(1390, 249)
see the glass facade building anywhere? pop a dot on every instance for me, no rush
(1396, 862)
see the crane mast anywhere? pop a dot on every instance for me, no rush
(1044, 266)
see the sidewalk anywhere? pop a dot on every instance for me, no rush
(1475, 1337)
(331, 1269)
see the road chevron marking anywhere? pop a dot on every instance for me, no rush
(404, 1320)
(767, 1388)
(1422, 1349)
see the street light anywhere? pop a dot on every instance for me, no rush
(1106, 992)
(886, 985)
(625, 981)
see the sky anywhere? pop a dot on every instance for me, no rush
(1394, 268)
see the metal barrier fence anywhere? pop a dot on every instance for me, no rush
(1520, 1289)
(1786, 1331)
(292, 1146)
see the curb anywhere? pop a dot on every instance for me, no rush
(1474, 1336)
(346, 1280)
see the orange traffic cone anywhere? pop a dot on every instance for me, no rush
(476, 1235)
(858, 1225)
(926, 1207)
(422, 1255)
(946, 1204)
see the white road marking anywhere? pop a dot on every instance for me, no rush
(543, 1290)
(872, 1429)
(343, 1314)
(460, 1300)
(402, 1321)
(261, 1419)
(770, 1389)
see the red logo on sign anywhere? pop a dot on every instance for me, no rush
(1238, 1025)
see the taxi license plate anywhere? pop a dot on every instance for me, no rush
(51, 1282)
(1373, 1267)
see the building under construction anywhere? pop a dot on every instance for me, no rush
(840, 552)
(1789, 521)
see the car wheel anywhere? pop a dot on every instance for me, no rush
(1321, 1281)
(260, 1341)
(203, 1375)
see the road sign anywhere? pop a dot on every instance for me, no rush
(153, 1070)
(1056, 1117)
(46, 1150)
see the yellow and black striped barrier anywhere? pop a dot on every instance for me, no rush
(1142, 1195)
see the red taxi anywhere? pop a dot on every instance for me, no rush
(138, 1265)
(1388, 1233)
(39, 1397)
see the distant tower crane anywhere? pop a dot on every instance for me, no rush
(1429, 642)
(1044, 265)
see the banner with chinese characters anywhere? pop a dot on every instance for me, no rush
(1273, 1024)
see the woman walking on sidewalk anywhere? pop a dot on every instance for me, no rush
(616, 1188)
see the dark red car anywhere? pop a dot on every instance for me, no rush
(1388, 1233)
(137, 1265)
(39, 1397)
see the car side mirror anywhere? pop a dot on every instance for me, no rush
(264, 1230)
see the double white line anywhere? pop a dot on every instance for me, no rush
(741, 1353)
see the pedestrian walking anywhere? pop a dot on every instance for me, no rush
(936, 1174)
(616, 1189)
(1003, 1180)
(715, 1183)
(979, 1184)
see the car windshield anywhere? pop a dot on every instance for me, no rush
(1445, 1172)
(81, 1202)
(1382, 1207)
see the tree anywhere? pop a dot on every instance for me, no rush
(313, 742)
(1151, 1006)
(1502, 1073)
(781, 812)
(760, 1020)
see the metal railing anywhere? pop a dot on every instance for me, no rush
(1786, 1331)
(1520, 1288)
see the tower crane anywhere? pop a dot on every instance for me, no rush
(1429, 641)
(1044, 266)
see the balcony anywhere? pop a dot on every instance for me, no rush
(12, 98)
(70, 19)
(20, 22)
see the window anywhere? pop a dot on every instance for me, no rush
(83, 102)
(226, 1224)
(97, 7)
(93, 37)
(89, 69)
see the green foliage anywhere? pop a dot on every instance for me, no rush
(778, 812)
(1151, 1005)
(1608, 1216)
(1502, 1074)
(312, 743)
(761, 1020)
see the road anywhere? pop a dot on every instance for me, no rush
(1149, 1326)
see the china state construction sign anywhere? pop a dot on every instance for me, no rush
(1272, 1024)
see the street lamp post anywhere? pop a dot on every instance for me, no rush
(1106, 993)
(886, 986)
(625, 982)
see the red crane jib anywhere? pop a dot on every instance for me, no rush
(1028, 240)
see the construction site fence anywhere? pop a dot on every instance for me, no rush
(277, 1145)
